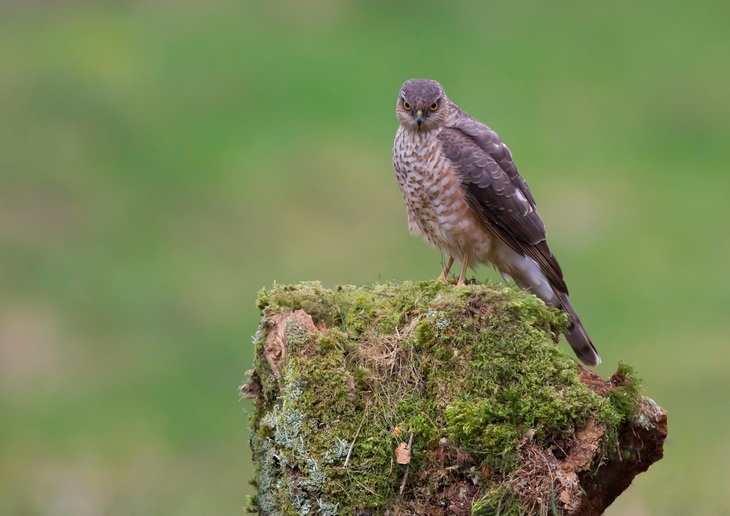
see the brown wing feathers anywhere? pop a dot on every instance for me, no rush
(497, 192)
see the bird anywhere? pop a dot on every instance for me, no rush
(464, 195)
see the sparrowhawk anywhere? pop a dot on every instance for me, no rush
(463, 194)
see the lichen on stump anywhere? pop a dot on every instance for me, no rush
(424, 398)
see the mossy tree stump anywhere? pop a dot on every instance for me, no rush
(424, 398)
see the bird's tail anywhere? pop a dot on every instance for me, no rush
(576, 334)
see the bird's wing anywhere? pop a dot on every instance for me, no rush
(497, 192)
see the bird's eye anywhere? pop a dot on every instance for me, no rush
(434, 106)
(406, 106)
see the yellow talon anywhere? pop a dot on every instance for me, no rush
(445, 273)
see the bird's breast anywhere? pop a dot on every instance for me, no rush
(434, 196)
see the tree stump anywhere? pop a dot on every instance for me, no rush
(424, 398)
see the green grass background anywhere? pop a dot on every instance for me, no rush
(162, 161)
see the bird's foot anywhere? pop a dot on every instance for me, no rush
(447, 281)
(444, 278)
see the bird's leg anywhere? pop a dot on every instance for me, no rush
(445, 272)
(464, 266)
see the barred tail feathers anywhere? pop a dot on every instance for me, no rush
(576, 334)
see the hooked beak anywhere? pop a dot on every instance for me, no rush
(419, 117)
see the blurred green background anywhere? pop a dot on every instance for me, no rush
(162, 161)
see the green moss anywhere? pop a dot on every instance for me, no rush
(474, 365)
(479, 427)
(626, 390)
(497, 501)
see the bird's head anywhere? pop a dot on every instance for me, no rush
(422, 105)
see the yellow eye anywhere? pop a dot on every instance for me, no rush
(434, 106)
(406, 106)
